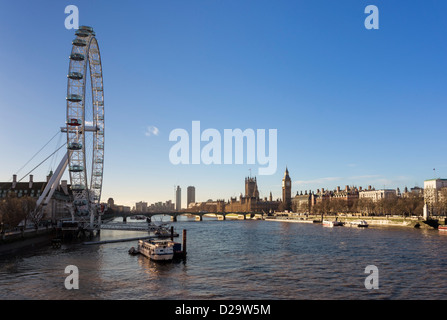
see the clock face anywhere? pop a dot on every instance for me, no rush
(288, 183)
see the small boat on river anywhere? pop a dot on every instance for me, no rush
(330, 224)
(360, 224)
(158, 250)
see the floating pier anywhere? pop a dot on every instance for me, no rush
(181, 253)
(120, 240)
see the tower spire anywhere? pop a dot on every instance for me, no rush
(287, 190)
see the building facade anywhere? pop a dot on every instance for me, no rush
(141, 207)
(167, 206)
(377, 195)
(251, 188)
(251, 202)
(302, 203)
(58, 206)
(190, 195)
(178, 199)
(435, 194)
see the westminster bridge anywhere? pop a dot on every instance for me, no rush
(198, 215)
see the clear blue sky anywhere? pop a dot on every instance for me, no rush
(352, 106)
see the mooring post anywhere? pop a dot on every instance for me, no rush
(172, 233)
(184, 243)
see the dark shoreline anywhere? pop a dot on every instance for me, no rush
(26, 244)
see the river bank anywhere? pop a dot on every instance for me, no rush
(28, 241)
(372, 221)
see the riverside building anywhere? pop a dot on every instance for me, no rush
(435, 192)
(57, 207)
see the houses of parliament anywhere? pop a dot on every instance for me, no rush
(250, 202)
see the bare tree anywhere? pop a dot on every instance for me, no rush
(366, 206)
(11, 210)
(305, 207)
(28, 207)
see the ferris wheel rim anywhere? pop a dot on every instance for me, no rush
(85, 59)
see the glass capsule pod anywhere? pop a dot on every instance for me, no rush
(77, 187)
(77, 56)
(74, 98)
(76, 168)
(74, 146)
(82, 33)
(79, 42)
(75, 75)
(86, 28)
(74, 122)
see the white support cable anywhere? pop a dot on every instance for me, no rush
(41, 162)
(37, 153)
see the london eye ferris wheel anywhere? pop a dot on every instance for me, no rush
(85, 134)
(85, 122)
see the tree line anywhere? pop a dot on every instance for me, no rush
(411, 205)
(14, 210)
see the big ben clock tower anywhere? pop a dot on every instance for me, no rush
(287, 191)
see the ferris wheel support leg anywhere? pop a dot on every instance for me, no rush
(52, 185)
(94, 214)
(71, 210)
(92, 218)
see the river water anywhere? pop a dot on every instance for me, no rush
(241, 260)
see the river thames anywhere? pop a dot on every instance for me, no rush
(234, 259)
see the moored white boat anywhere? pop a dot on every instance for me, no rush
(158, 250)
(327, 223)
(360, 223)
(442, 228)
